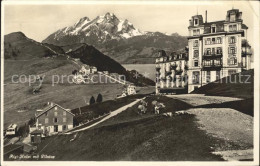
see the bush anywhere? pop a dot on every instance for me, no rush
(92, 100)
(99, 98)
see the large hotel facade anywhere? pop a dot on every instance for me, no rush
(216, 49)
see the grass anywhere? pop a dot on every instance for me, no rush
(130, 136)
(231, 86)
(149, 139)
(98, 109)
(245, 106)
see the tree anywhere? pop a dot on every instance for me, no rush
(99, 98)
(92, 100)
(74, 72)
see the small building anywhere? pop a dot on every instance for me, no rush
(36, 136)
(131, 89)
(12, 129)
(93, 69)
(50, 120)
(85, 69)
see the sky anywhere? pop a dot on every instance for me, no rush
(37, 21)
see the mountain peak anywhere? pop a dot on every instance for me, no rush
(102, 28)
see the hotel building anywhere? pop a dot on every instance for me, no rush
(171, 72)
(217, 49)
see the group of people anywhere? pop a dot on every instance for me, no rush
(143, 107)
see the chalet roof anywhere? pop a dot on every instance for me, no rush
(50, 107)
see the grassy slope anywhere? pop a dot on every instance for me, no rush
(130, 136)
(230, 89)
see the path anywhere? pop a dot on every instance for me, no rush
(114, 113)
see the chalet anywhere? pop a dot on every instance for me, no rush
(50, 120)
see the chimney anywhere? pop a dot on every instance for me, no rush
(206, 16)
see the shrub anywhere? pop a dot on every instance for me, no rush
(92, 100)
(99, 98)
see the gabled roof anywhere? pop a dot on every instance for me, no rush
(50, 107)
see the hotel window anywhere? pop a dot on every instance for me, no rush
(213, 51)
(232, 39)
(196, 77)
(55, 113)
(196, 32)
(217, 75)
(196, 63)
(55, 120)
(196, 21)
(64, 127)
(208, 77)
(64, 112)
(46, 120)
(219, 50)
(207, 63)
(219, 40)
(232, 50)
(64, 119)
(232, 28)
(196, 43)
(208, 41)
(217, 62)
(232, 61)
(208, 51)
(213, 41)
(55, 108)
(196, 54)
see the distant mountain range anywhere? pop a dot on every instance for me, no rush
(117, 38)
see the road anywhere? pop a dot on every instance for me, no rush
(113, 113)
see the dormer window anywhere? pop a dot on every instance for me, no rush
(196, 32)
(213, 29)
(232, 18)
(196, 21)
(232, 28)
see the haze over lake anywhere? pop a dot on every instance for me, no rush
(149, 69)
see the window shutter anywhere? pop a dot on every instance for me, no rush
(235, 50)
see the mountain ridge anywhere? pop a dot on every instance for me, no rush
(117, 38)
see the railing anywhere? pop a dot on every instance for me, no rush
(212, 56)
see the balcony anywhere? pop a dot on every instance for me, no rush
(212, 64)
(212, 56)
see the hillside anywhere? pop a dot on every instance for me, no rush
(231, 86)
(24, 56)
(91, 56)
(18, 46)
(129, 136)
(117, 38)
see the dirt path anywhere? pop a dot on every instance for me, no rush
(114, 113)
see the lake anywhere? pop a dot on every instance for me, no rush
(147, 70)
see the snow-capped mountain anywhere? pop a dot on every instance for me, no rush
(102, 28)
(117, 38)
